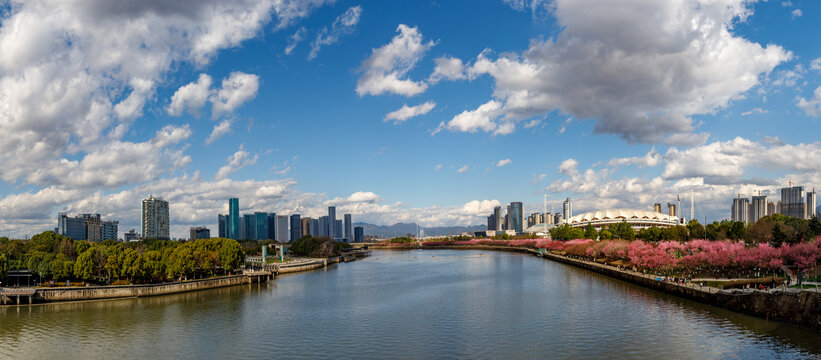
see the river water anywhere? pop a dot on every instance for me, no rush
(406, 305)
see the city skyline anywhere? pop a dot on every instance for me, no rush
(406, 112)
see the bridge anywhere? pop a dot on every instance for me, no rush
(7, 294)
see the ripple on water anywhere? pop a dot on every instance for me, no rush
(406, 305)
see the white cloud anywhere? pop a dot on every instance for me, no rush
(503, 162)
(74, 74)
(639, 69)
(220, 129)
(191, 96)
(463, 169)
(789, 78)
(796, 13)
(236, 89)
(343, 25)
(118, 163)
(438, 167)
(815, 64)
(480, 207)
(569, 167)
(786, 3)
(237, 161)
(532, 123)
(407, 112)
(294, 40)
(752, 111)
(651, 159)
(811, 106)
(449, 68)
(386, 69)
(474, 120)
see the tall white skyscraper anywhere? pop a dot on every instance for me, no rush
(811, 204)
(154, 219)
(741, 208)
(759, 207)
(567, 209)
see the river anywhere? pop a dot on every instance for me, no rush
(418, 304)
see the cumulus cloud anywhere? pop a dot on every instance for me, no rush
(343, 25)
(236, 89)
(75, 74)
(640, 69)
(651, 159)
(715, 172)
(463, 169)
(811, 106)
(118, 163)
(406, 112)
(237, 161)
(449, 68)
(796, 13)
(503, 162)
(752, 111)
(474, 120)
(438, 167)
(220, 129)
(191, 97)
(815, 64)
(385, 71)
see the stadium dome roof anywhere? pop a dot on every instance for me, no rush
(618, 215)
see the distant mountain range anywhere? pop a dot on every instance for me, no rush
(403, 229)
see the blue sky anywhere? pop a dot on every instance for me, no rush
(621, 104)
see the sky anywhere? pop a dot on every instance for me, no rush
(417, 111)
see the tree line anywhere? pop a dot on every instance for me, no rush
(775, 229)
(55, 257)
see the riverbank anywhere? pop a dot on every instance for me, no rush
(30, 296)
(797, 307)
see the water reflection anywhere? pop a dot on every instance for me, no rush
(406, 304)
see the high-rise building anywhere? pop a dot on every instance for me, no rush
(517, 217)
(323, 226)
(759, 208)
(233, 218)
(740, 210)
(547, 218)
(792, 202)
(358, 234)
(770, 208)
(338, 229)
(506, 225)
(155, 219)
(331, 223)
(497, 214)
(671, 209)
(221, 225)
(282, 228)
(657, 207)
(558, 219)
(199, 232)
(94, 227)
(348, 228)
(110, 230)
(491, 222)
(73, 227)
(306, 227)
(249, 227)
(296, 227)
(272, 226)
(261, 225)
(567, 209)
(811, 204)
(315, 228)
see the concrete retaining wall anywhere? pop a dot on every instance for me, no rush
(113, 292)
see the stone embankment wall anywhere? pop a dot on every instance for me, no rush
(113, 292)
(800, 307)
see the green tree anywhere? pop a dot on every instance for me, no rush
(605, 234)
(590, 232)
(153, 265)
(779, 236)
(696, 230)
(182, 262)
(4, 265)
(84, 266)
(231, 255)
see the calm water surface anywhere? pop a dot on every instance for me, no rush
(407, 305)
